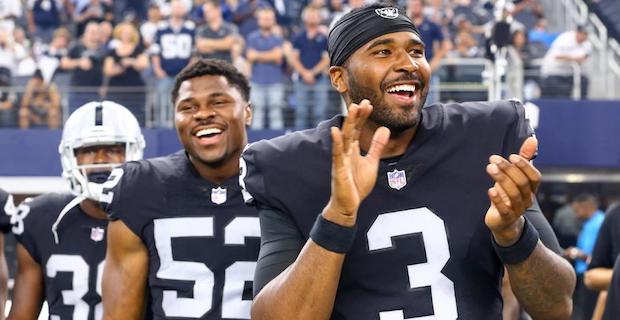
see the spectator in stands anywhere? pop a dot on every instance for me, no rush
(44, 17)
(26, 64)
(149, 28)
(337, 9)
(11, 53)
(539, 34)
(123, 65)
(567, 225)
(85, 60)
(527, 12)
(166, 6)
(310, 61)
(10, 11)
(437, 45)
(138, 8)
(106, 28)
(570, 47)
(94, 10)
(439, 11)
(7, 100)
(353, 4)
(40, 105)
(466, 43)
(172, 51)
(323, 9)
(244, 15)
(606, 250)
(216, 38)
(49, 60)
(265, 53)
(586, 207)
(522, 47)
(75, 6)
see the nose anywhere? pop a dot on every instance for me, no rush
(204, 112)
(405, 63)
(101, 156)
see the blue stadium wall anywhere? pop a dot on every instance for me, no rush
(572, 134)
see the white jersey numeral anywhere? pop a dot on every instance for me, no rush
(409, 222)
(176, 46)
(115, 176)
(79, 283)
(233, 305)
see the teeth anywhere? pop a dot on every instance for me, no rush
(208, 131)
(402, 87)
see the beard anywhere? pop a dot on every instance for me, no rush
(394, 118)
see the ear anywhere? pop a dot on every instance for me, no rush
(247, 113)
(338, 77)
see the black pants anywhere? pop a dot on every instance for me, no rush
(562, 87)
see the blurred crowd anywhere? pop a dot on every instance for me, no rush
(63, 53)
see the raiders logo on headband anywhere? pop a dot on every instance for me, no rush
(387, 12)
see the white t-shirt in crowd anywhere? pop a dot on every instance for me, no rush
(565, 45)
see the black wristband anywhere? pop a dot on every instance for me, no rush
(332, 236)
(521, 249)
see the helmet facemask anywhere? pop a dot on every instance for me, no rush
(97, 124)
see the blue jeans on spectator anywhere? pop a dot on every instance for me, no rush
(311, 102)
(45, 33)
(163, 105)
(267, 99)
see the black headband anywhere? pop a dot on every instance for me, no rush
(359, 26)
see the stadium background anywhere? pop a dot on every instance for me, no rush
(579, 136)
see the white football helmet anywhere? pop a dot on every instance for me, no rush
(93, 124)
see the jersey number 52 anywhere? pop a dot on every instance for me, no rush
(233, 306)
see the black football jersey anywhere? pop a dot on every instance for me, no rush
(73, 267)
(7, 210)
(422, 248)
(607, 246)
(612, 306)
(202, 239)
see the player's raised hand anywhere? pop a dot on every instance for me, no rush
(516, 181)
(353, 175)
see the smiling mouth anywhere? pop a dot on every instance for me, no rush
(208, 133)
(402, 90)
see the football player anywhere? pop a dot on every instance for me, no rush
(180, 227)
(426, 242)
(7, 210)
(62, 236)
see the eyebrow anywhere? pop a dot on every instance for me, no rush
(390, 41)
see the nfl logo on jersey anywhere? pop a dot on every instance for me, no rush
(96, 234)
(397, 179)
(218, 195)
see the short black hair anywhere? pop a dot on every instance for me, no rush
(212, 67)
(586, 197)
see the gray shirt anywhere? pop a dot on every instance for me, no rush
(225, 30)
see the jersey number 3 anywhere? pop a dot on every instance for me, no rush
(233, 306)
(408, 222)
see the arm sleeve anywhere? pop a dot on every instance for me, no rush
(538, 220)
(280, 245)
